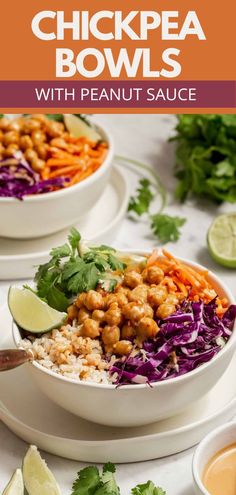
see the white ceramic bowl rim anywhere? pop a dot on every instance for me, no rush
(81, 185)
(164, 383)
(199, 452)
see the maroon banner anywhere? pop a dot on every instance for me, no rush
(117, 94)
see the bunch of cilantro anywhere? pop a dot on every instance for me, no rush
(206, 157)
(91, 482)
(69, 272)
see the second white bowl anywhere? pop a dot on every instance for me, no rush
(43, 214)
(217, 440)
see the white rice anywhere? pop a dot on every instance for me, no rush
(66, 353)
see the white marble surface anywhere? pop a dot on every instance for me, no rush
(143, 137)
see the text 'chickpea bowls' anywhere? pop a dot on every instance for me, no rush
(110, 330)
(52, 167)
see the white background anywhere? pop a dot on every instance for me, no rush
(142, 137)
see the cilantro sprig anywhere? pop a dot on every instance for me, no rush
(69, 272)
(92, 482)
(165, 228)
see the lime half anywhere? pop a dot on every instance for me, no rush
(15, 485)
(78, 128)
(38, 479)
(221, 240)
(31, 313)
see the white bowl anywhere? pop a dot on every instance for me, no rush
(135, 405)
(215, 441)
(43, 214)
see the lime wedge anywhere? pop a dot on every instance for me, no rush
(78, 128)
(38, 479)
(31, 313)
(221, 240)
(15, 485)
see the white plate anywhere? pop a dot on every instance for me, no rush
(18, 258)
(35, 419)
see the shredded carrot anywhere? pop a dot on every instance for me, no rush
(153, 258)
(73, 158)
(184, 281)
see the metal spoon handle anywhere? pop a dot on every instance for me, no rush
(11, 358)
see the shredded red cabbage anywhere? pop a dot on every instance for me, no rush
(18, 179)
(193, 335)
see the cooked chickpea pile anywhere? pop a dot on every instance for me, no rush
(32, 135)
(50, 149)
(127, 313)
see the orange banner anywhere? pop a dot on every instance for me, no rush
(171, 51)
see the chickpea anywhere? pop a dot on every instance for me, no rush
(90, 328)
(119, 298)
(10, 150)
(94, 300)
(134, 311)
(2, 149)
(122, 290)
(139, 294)
(132, 278)
(123, 347)
(110, 335)
(157, 295)
(98, 315)
(4, 123)
(83, 314)
(38, 164)
(54, 129)
(148, 310)
(79, 302)
(30, 155)
(172, 299)
(11, 137)
(72, 312)
(133, 267)
(42, 150)
(113, 315)
(154, 275)
(40, 117)
(15, 125)
(38, 137)
(127, 331)
(26, 142)
(165, 310)
(31, 125)
(147, 328)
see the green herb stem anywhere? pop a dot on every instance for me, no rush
(157, 184)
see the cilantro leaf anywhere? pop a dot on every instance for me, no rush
(67, 273)
(85, 279)
(115, 263)
(87, 482)
(141, 202)
(74, 238)
(147, 489)
(109, 466)
(108, 284)
(109, 485)
(60, 251)
(103, 248)
(57, 299)
(166, 227)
